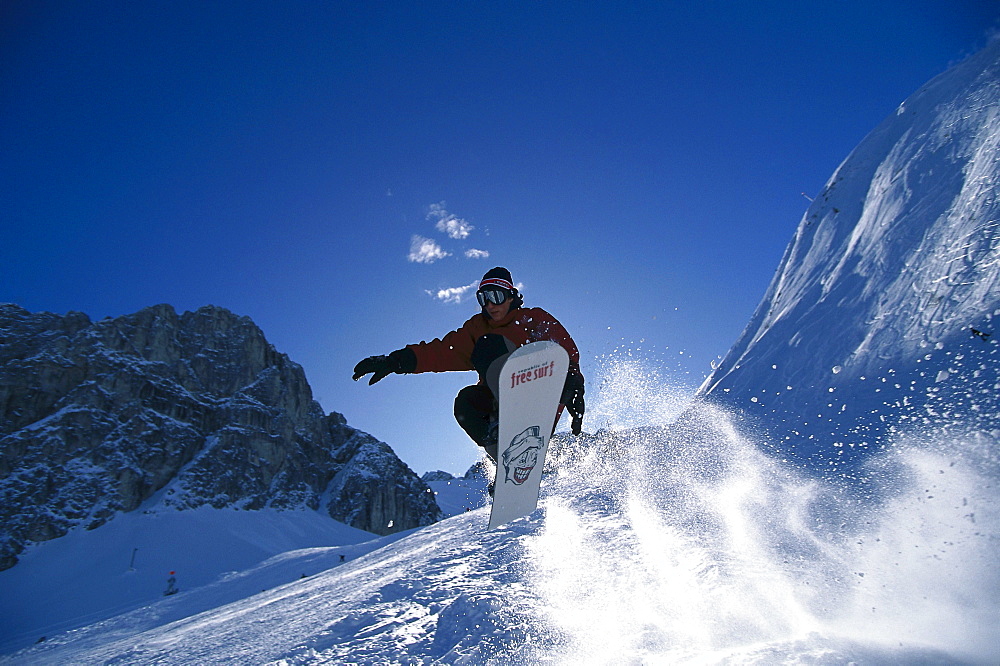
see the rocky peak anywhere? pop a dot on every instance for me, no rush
(157, 409)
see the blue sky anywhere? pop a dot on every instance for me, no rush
(640, 167)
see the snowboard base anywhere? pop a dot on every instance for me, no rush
(531, 384)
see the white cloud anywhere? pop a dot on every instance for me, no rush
(447, 223)
(425, 251)
(454, 294)
(454, 227)
(477, 254)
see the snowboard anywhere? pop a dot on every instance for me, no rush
(530, 385)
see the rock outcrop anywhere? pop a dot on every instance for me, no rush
(175, 410)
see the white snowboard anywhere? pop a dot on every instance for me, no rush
(530, 385)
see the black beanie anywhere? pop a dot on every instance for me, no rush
(498, 277)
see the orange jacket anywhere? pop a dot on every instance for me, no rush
(520, 326)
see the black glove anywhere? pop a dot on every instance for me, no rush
(401, 361)
(572, 397)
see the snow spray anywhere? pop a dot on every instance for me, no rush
(683, 542)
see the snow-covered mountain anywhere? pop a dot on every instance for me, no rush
(687, 542)
(883, 313)
(656, 545)
(160, 410)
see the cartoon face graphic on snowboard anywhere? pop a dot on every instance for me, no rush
(521, 456)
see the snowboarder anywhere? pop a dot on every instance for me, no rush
(985, 337)
(171, 585)
(482, 344)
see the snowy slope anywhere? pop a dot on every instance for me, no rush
(683, 545)
(459, 495)
(91, 575)
(868, 324)
(218, 556)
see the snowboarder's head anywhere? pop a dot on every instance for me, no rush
(497, 293)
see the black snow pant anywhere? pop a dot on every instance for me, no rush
(476, 406)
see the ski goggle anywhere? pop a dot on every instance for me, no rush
(497, 296)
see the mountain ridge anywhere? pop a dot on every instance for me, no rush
(196, 408)
(891, 270)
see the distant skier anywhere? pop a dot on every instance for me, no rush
(171, 585)
(482, 344)
(985, 337)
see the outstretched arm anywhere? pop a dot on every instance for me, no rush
(401, 361)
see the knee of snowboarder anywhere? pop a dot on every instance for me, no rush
(466, 403)
(474, 407)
